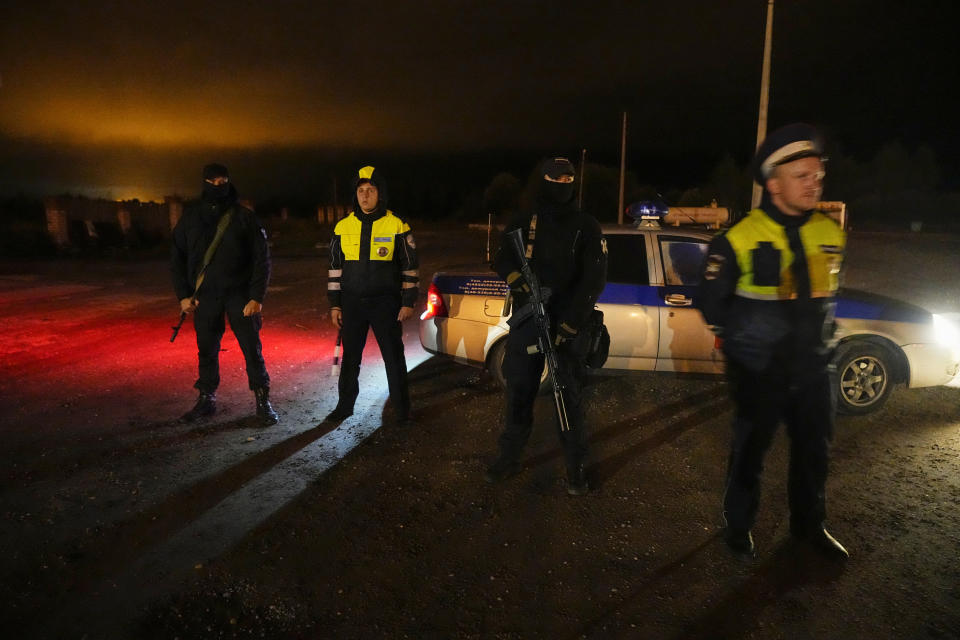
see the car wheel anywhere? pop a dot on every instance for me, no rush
(495, 367)
(495, 363)
(864, 377)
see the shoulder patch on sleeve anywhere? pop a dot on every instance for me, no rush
(603, 245)
(714, 264)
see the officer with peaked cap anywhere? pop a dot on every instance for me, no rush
(234, 283)
(768, 289)
(567, 254)
(372, 283)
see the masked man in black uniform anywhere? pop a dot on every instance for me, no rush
(567, 253)
(769, 289)
(234, 284)
(372, 283)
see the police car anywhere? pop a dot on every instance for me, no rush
(652, 275)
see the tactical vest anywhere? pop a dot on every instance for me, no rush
(764, 256)
(384, 231)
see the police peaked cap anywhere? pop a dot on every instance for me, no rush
(556, 167)
(373, 176)
(214, 170)
(786, 144)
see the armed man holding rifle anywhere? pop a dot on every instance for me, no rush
(566, 255)
(220, 263)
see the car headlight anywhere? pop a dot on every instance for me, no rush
(945, 331)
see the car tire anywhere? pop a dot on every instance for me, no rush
(495, 363)
(495, 367)
(865, 376)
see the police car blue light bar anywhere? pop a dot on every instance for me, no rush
(647, 210)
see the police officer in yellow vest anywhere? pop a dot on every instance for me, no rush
(768, 289)
(372, 283)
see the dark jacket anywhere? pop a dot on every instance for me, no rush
(569, 257)
(795, 335)
(240, 264)
(373, 254)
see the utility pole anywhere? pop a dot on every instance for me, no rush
(623, 166)
(764, 97)
(489, 231)
(583, 173)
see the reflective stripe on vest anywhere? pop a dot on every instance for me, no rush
(382, 236)
(757, 234)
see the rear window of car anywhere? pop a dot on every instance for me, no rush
(682, 259)
(627, 259)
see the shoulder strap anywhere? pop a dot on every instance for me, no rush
(208, 256)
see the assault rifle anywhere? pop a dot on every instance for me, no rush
(539, 312)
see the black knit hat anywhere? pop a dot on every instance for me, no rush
(374, 177)
(214, 170)
(786, 144)
(556, 167)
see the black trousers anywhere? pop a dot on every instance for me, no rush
(379, 313)
(209, 325)
(522, 371)
(804, 401)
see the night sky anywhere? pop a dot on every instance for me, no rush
(131, 98)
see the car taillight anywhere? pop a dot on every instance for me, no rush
(435, 306)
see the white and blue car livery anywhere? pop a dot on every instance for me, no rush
(648, 308)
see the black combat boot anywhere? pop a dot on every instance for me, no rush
(264, 411)
(821, 540)
(740, 541)
(206, 406)
(339, 414)
(577, 484)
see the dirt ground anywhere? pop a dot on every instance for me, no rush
(117, 521)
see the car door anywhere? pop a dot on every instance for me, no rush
(629, 303)
(685, 342)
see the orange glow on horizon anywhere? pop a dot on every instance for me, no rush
(68, 121)
(227, 117)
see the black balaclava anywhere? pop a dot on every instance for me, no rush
(216, 193)
(556, 193)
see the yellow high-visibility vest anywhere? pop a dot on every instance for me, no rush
(383, 233)
(823, 242)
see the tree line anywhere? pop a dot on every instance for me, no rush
(896, 189)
